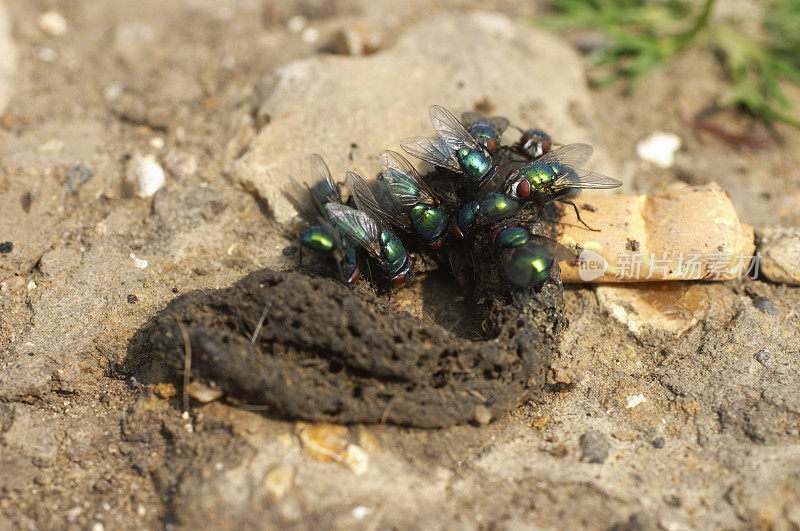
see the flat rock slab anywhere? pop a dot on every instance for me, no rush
(326, 354)
(351, 108)
(682, 233)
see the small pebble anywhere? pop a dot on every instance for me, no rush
(132, 299)
(659, 443)
(53, 23)
(76, 176)
(356, 459)
(765, 305)
(310, 35)
(594, 447)
(144, 176)
(102, 486)
(762, 356)
(483, 415)
(174, 290)
(634, 400)
(296, 24)
(202, 392)
(659, 148)
(138, 262)
(6, 247)
(357, 40)
(278, 482)
(164, 390)
(361, 512)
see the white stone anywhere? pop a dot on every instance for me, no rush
(310, 35)
(296, 24)
(138, 262)
(634, 400)
(53, 23)
(361, 511)
(144, 176)
(659, 148)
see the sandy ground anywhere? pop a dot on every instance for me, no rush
(641, 429)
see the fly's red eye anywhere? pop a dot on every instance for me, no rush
(399, 279)
(545, 145)
(436, 245)
(523, 188)
(525, 139)
(491, 145)
(353, 278)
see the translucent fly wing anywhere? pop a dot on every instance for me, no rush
(572, 155)
(471, 118)
(586, 180)
(433, 150)
(392, 162)
(320, 172)
(559, 252)
(380, 205)
(498, 123)
(356, 225)
(450, 130)
(303, 202)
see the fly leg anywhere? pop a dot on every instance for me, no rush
(577, 214)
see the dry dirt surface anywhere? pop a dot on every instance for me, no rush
(684, 416)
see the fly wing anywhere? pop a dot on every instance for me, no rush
(392, 162)
(382, 207)
(433, 150)
(471, 118)
(559, 252)
(356, 225)
(498, 123)
(572, 155)
(450, 130)
(320, 171)
(586, 180)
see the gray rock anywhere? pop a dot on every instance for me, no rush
(8, 57)
(461, 61)
(594, 447)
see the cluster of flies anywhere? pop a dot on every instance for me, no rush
(479, 187)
